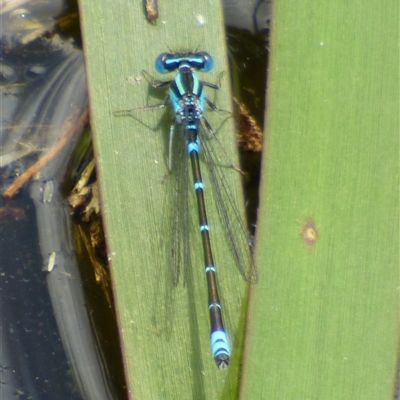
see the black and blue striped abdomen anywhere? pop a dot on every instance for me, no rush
(219, 339)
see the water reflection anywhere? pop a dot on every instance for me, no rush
(48, 348)
(33, 362)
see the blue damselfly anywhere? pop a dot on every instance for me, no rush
(187, 98)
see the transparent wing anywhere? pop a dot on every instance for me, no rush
(234, 227)
(178, 181)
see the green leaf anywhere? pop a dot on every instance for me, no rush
(164, 330)
(324, 316)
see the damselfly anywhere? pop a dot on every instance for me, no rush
(187, 98)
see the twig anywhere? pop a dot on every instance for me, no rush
(70, 127)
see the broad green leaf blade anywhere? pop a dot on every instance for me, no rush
(164, 330)
(324, 316)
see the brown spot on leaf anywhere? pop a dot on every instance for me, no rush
(309, 232)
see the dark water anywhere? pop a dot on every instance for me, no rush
(33, 362)
(48, 350)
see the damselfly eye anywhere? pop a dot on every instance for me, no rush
(161, 63)
(208, 61)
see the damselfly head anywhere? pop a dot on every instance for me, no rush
(168, 62)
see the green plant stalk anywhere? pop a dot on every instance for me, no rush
(164, 330)
(324, 316)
